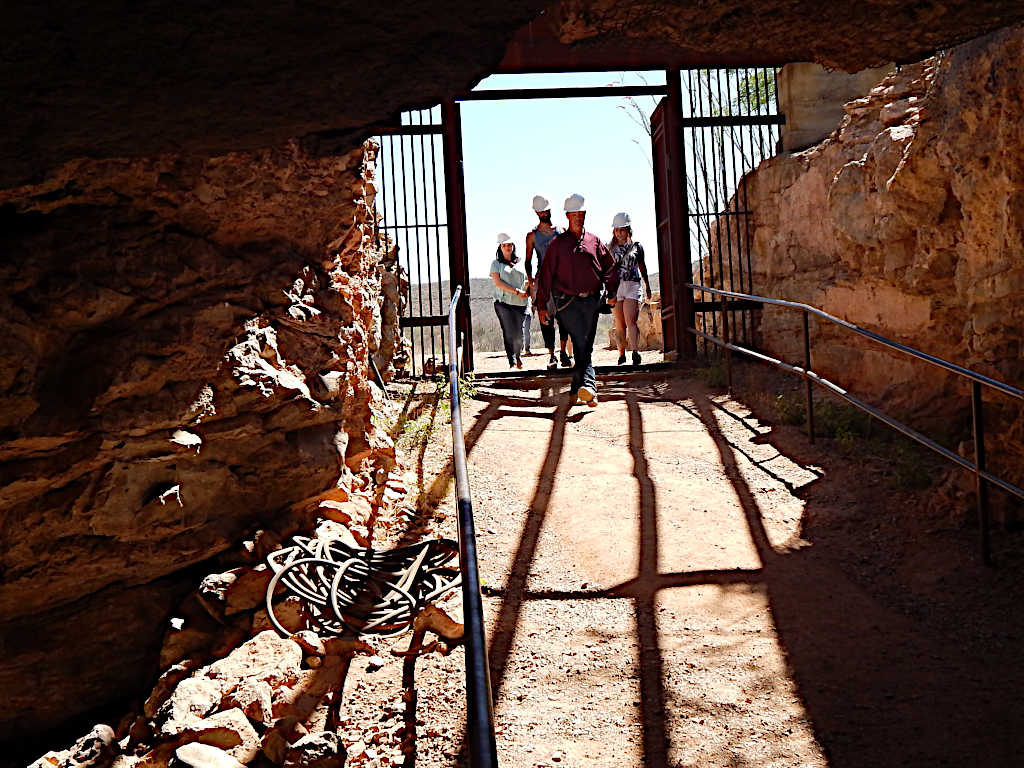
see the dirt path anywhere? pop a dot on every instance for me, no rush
(651, 600)
(632, 619)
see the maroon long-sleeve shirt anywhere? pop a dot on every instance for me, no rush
(576, 266)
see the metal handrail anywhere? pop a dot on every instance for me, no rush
(483, 752)
(977, 467)
(938, 361)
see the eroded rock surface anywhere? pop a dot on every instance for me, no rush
(102, 80)
(908, 221)
(185, 352)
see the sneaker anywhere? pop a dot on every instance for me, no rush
(622, 359)
(588, 396)
(566, 360)
(552, 362)
(636, 358)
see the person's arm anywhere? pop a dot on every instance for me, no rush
(545, 276)
(529, 256)
(502, 285)
(642, 264)
(610, 275)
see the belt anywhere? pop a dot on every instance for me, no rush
(579, 295)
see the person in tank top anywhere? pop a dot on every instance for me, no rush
(538, 240)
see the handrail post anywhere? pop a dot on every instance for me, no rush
(728, 341)
(980, 483)
(808, 393)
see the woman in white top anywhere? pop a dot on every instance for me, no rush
(510, 298)
(629, 259)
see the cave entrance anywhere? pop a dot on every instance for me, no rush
(707, 128)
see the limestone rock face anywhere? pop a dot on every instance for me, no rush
(908, 221)
(184, 351)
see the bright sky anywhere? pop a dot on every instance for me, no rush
(513, 150)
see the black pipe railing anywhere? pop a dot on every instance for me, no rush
(982, 477)
(479, 711)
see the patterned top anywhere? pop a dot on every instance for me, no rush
(627, 258)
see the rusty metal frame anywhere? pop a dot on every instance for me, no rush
(458, 244)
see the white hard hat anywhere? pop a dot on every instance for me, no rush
(621, 219)
(503, 238)
(574, 203)
(540, 203)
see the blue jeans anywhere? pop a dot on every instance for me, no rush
(527, 322)
(511, 320)
(579, 318)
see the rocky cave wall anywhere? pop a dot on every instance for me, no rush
(189, 287)
(908, 221)
(184, 349)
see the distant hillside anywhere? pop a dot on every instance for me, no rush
(486, 331)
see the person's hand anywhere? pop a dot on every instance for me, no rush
(542, 315)
(611, 301)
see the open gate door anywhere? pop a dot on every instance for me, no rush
(420, 207)
(672, 225)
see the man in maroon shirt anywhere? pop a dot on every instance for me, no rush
(575, 268)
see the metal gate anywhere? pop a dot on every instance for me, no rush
(730, 123)
(419, 207)
(714, 127)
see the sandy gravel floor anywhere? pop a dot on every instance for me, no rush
(665, 586)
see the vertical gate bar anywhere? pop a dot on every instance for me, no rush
(718, 172)
(437, 237)
(410, 233)
(413, 231)
(755, 161)
(728, 340)
(980, 483)
(404, 230)
(423, 240)
(808, 393)
(707, 189)
(393, 197)
(729, 219)
(679, 223)
(693, 220)
(762, 78)
(739, 202)
(775, 130)
(723, 174)
(379, 198)
(455, 196)
(745, 218)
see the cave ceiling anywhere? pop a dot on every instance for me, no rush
(109, 78)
